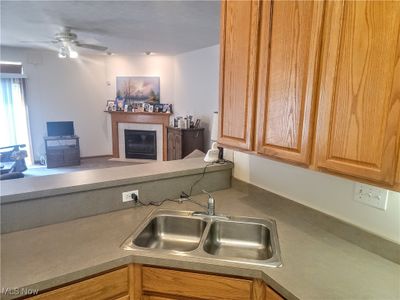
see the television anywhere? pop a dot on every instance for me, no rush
(60, 128)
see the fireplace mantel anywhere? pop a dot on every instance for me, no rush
(138, 117)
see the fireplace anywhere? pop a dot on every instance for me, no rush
(140, 144)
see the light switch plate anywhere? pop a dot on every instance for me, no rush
(370, 195)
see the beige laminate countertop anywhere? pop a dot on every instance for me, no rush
(316, 263)
(45, 186)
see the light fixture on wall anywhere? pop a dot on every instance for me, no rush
(148, 52)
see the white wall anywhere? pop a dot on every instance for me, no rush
(196, 85)
(77, 90)
(330, 194)
(69, 90)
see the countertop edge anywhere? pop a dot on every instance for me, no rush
(10, 198)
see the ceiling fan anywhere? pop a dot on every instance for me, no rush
(67, 41)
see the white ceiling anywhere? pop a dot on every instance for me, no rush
(126, 27)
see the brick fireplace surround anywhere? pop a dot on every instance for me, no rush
(141, 118)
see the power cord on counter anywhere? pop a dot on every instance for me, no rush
(184, 196)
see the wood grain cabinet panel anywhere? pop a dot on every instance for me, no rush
(239, 31)
(194, 285)
(112, 285)
(271, 294)
(137, 282)
(290, 39)
(359, 103)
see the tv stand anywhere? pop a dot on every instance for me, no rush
(62, 151)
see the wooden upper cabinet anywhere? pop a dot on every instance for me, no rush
(359, 104)
(290, 38)
(239, 32)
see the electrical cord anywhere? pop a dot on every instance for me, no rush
(184, 196)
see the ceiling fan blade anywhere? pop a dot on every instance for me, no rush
(38, 42)
(92, 47)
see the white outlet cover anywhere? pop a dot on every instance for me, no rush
(127, 196)
(370, 195)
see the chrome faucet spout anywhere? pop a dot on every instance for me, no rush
(211, 204)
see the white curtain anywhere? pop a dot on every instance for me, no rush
(13, 114)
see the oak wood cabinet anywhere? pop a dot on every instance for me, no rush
(137, 282)
(239, 31)
(290, 37)
(159, 283)
(326, 88)
(358, 124)
(112, 285)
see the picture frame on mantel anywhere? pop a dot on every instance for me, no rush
(109, 105)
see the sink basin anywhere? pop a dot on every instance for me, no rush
(239, 240)
(210, 238)
(171, 233)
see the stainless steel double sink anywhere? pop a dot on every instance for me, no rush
(235, 239)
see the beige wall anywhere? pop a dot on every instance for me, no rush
(196, 85)
(141, 65)
(329, 194)
(77, 90)
(64, 90)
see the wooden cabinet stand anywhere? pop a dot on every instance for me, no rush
(182, 142)
(62, 151)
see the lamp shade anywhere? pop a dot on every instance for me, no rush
(214, 127)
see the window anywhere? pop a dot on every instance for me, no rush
(13, 112)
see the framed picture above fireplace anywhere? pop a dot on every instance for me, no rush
(139, 89)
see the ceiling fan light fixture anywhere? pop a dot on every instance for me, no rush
(63, 52)
(67, 52)
(73, 54)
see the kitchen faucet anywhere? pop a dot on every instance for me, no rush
(210, 206)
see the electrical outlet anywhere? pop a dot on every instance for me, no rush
(371, 196)
(130, 196)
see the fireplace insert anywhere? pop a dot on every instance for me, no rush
(140, 144)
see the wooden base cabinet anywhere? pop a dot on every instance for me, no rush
(111, 285)
(137, 282)
(159, 283)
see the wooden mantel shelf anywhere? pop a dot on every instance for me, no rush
(139, 113)
(138, 117)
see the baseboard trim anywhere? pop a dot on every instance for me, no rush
(97, 156)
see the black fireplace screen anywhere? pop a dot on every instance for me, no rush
(141, 144)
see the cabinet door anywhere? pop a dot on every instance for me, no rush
(189, 285)
(171, 145)
(359, 104)
(272, 295)
(239, 31)
(290, 39)
(178, 145)
(112, 285)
